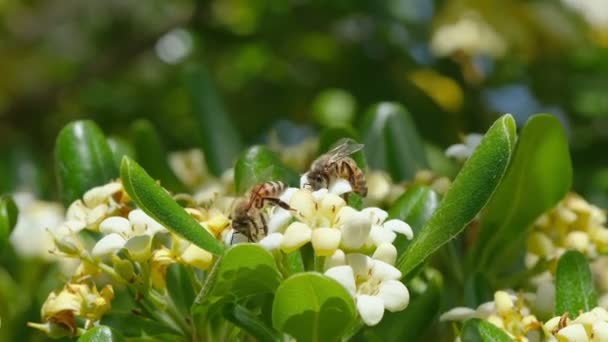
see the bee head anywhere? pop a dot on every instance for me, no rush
(316, 180)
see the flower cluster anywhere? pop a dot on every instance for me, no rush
(513, 314)
(572, 224)
(507, 311)
(131, 248)
(355, 247)
(588, 326)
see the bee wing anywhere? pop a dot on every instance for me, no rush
(344, 148)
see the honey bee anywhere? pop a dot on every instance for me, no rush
(247, 216)
(337, 163)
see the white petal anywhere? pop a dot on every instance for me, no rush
(331, 204)
(380, 235)
(473, 140)
(600, 331)
(371, 309)
(272, 241)
(336, 259)
(378, 215)
(278, 220)
(384, 271)
(115, 224)
(386, 252)
(458, 151)
(325, 241)
(458, 314)
(573, 333)
(400, 227)
(77, 211)
(139, 247)
(360, 264)
(304, 181)
(340, 186)
(286, 196)
(486, 309)
(318, 195)
(343, 275)
(395, 295)
(296, 236)
(503, 301)
(108, 245)
(100, 194)
(144, 224)
(303, 204)
(355, 227)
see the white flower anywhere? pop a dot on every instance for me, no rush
(374, 284)
(31, 237)
(135, 234)
(383, 231)
(465, 150)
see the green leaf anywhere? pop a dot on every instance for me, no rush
(483, 331)
(220, 139)
(527, 190)
(131, 325)
(259, 164)
(120, 147)
(157, 203)
(415, 207)
(392, 142)
(330, 136)
(8, 219)
(152, 155)
(313, 307)
(244, 271)
(574, 285)
(101, 334)
(411, 323)
(468, 194)
(180, 286)
(83, 159)
(251, 323)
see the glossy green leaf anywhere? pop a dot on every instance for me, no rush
(251, 323)
(411, 323)
(120, 147)
(245, 270)
(330, 136)
(131, 325)
(392, 142)
(313, 307)
(482, 331)
(468, 194)
(8, 219)
(156, 202)
(527, 190)
(259, 164)
(83, 159)
(152, 155)
(574, 289)
(415, 207)
(220, 139)
(101, 334)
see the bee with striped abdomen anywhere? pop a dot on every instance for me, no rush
(247, 216)
(337, 163)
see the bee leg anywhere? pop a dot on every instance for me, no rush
(349, 171)
(264, 226)
(277, 201)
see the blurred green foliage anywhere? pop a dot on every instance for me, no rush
(312, 62)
